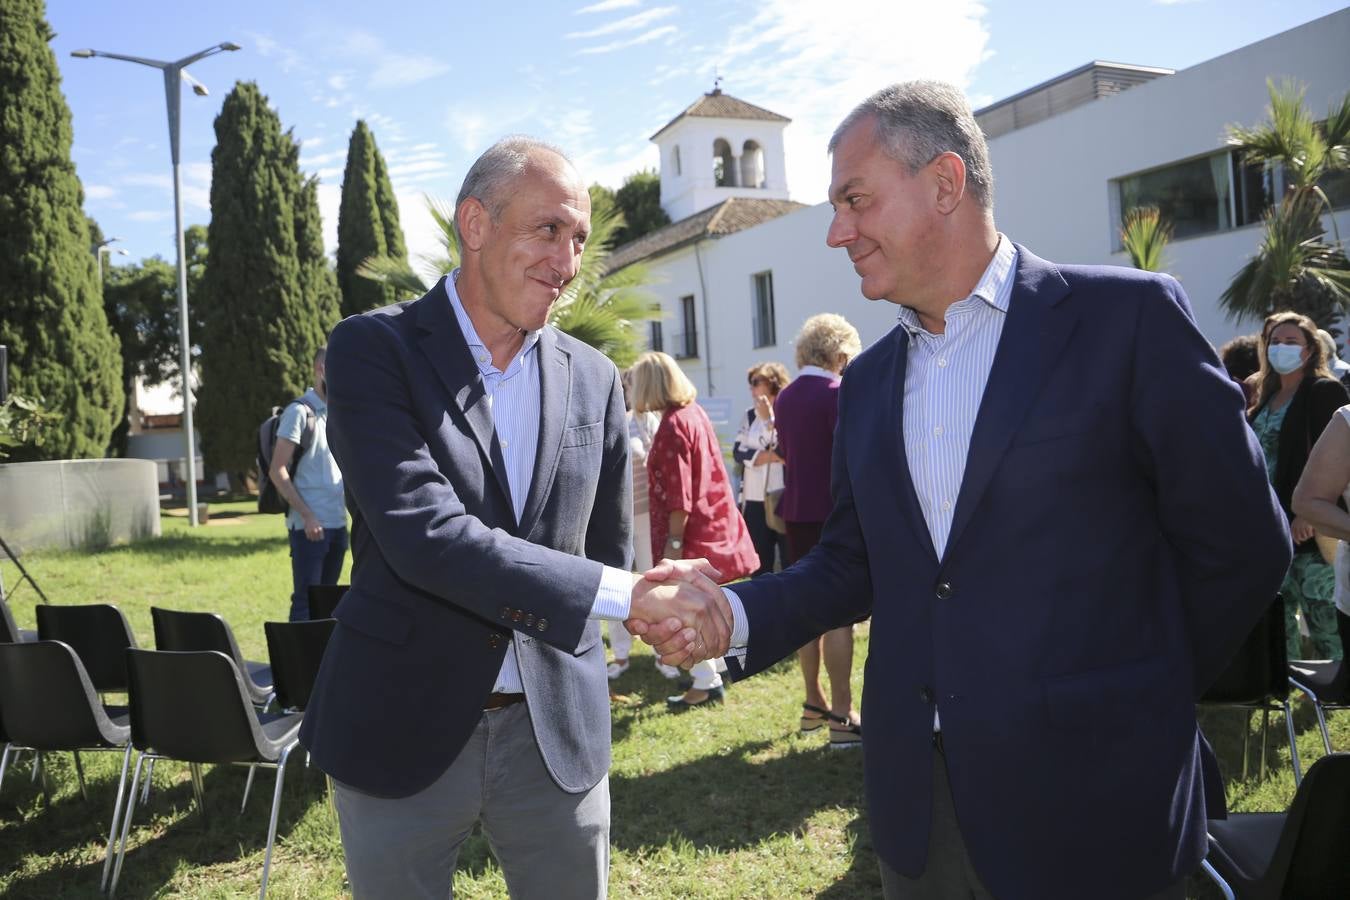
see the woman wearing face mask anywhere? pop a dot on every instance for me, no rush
(1296, 396)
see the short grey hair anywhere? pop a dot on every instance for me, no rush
(918, 120)
(491, 174)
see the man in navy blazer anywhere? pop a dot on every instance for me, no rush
(487, 472)
(1047, 498)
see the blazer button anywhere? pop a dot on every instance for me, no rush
(943, 591)
(925, 694)
(517, 615)
(543, 624)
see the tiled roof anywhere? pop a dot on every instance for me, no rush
(728, 217)
(717, 105)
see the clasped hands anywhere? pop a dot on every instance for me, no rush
(680, 611)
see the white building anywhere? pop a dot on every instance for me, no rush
(741, 266)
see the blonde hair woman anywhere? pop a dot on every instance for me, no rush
(693, 512)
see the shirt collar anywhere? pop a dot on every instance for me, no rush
(481, 356)
(817, 370)
(315, 400)
(993, 287)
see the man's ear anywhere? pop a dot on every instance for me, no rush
(473, 219)
(950, 172)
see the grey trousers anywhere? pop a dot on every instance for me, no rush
(949, 874)
(550, 844)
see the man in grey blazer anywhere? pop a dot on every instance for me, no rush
(488, 479)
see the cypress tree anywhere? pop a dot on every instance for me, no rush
(263, 317)
(367, 224)
(317, 279)
(51, 307)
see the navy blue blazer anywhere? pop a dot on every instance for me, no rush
(1115, 539)
(443, 576)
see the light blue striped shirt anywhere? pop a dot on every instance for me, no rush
(514, 398)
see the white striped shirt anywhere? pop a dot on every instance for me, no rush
(945, 377)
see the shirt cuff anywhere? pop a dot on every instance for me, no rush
(740, 625)
(614, 598)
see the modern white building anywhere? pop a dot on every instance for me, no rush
(742, 266)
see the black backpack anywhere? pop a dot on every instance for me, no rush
(269, 498)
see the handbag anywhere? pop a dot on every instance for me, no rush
(771, 516)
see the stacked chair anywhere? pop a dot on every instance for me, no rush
(1325, 682)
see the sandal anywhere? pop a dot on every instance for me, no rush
(812, 723)
(849, 735)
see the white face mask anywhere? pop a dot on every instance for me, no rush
(1285, 358)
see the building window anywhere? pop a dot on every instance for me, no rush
(1201, 196)
(752, 165)
(724, 165)
(686, 345)
(677, 160)
(654, 336)
(765, 331)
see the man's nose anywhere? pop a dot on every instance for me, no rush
(841, 232)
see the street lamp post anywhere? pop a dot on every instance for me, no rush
(174, 74)
(98, 256)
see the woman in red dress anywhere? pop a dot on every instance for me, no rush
(693, 510)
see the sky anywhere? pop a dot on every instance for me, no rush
(438, 82)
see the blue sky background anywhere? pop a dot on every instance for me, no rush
(439, 81)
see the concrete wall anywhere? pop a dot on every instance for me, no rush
(75, 504)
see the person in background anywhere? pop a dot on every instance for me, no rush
(1320, 498)
(756, 449)
(317, 519)
(693, 512)
(1296, 396)
(1241, 358)
(1340, 369)
(807, 410)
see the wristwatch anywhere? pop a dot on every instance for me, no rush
(675, 543)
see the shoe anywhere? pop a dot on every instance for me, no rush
(684, 681)
(816, 722)
(616, 668)
(668, 672)
(849, 735)
(679, 704)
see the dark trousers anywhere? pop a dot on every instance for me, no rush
(767, 541)
(948, 873)
(314, 562)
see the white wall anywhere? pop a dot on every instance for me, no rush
(695, 189)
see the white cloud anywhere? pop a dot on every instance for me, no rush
(337, 82)
(418, 168)
(646, 38)
(100, 191)
(631, 23)
(406, 70)
(607, 6)
(150, 215)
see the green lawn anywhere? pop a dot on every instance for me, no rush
(727, 802)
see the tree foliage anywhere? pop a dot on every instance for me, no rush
(51, 313)
(599, 307)
(1297, 266)
(268, 297)
(639, 200)
(1145, 235)
(368, 224)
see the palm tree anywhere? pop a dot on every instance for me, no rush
(599, 307)
(1145, 235)
(1296, 267)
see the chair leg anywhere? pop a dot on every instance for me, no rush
(1246, 744)
(248, 786)
(1217, 879)
(126, 827)
(149, 776)
(4, 761)
(1265, 728)
(198, 788)
(272, 825)
(79, 775)
(332, 804)
(42, 777)
(37, 766)
(1293, 743)
(1321, 715)
(117, 809)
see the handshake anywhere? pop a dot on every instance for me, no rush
(680, 611)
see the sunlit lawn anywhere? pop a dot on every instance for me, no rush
(719, 803)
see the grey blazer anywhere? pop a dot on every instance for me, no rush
(443, 575)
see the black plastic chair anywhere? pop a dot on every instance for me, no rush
(1325, 682)
(324, 598)
(185, 631)
(48, 703)
(98, 633)
(1298, 855)
(295, 650)
(10, 632)
(195, 707)
(1257, 680)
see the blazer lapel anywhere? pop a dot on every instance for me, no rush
(1036, 329)
(555, 397)
(894, 412)
(448, 352)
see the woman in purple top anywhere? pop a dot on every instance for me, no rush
(804, 414)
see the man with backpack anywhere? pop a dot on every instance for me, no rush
(307, 477)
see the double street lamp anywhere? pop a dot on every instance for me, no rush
(103, 248)
(174, 74)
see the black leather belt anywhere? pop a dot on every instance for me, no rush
(497, 701)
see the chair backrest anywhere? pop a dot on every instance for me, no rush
(295, 650)
(99, 635)
(191, 706)
(47, 700)
(183, 631)
(323, 599)
(1259, 670)
(1311, 858)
